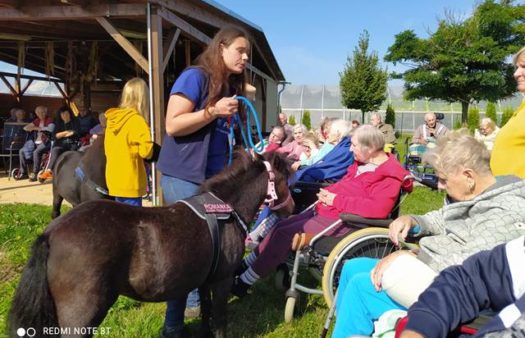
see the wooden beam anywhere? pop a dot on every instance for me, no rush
(125, 44)
(68, 13)
(172, 39)
(11, 89)
(64, 95)
(186, 27)
(187, 52)
(218, 19)
(26, 86)
(157, 77)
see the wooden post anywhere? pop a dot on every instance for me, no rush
(157, 83)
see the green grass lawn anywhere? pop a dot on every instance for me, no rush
(258, 315)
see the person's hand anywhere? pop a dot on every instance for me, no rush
(225, 107)
(377, 272)
(399, 228)
(69, 133)
(326, 197)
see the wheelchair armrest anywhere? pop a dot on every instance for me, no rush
(362, 222)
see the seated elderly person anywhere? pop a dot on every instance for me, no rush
(388, 131)
(333, 169)
(35, 147)
(274, 140)
(484, 212)
(488, 280)
(369, 189)
(487, 132)
(294, 149)
(427, 134)
(336, 130)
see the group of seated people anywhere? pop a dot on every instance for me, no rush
(54, 135)
(482, 212)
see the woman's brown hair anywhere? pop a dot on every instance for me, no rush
(211, 62)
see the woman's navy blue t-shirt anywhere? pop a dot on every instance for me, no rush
(201, 154)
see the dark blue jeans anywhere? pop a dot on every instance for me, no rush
(174, 189)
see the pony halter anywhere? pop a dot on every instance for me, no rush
(271, 195)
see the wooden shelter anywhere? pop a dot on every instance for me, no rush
(94, 46)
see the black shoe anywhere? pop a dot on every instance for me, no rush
(241, 268)
(240, 288)
(32, 177)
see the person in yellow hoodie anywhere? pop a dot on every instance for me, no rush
(507, 156)
(127, 144)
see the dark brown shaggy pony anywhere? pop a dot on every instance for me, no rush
(102, 249)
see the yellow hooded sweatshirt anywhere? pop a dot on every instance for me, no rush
(127, 143)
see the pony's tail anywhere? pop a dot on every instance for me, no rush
(33, 307)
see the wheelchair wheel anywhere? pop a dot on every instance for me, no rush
(368, 242)
(16, 174)
(289, 309)
(282, 277)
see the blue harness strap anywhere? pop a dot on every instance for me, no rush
(79, 173)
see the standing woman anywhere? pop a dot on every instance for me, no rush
(127, 144)
(507, 154)
(196, 144)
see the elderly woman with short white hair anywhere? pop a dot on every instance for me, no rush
(294, 149)
(337, 130)
(369, 189)
(484, 212)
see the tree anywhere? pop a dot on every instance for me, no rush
(462, 61)
(306, 121)
(390, 116)
(490, 111)
(473, 118)
(363, 82)
(291, 120)
(506, 115)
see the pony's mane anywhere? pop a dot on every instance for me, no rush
(227, 181)
(242, 162)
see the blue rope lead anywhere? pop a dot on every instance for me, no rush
(246, 132)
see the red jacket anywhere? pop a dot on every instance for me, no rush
(371, 194)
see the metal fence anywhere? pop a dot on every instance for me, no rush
(325, 101)
(406, 121)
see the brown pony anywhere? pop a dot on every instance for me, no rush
(102, 249)
(69, 186)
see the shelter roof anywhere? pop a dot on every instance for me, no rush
(38, 24)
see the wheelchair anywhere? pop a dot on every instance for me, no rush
(324, 256)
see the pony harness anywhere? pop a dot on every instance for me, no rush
(212, 209)
(81, 175)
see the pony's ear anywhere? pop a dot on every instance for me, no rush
(279, 162)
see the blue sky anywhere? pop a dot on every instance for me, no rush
(312, 39)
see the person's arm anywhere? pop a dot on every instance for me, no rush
(31, 127)
(377, 202)
(459, 293)
(181, 120)
(141, 137)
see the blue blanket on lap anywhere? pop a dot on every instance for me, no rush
(332, 167)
